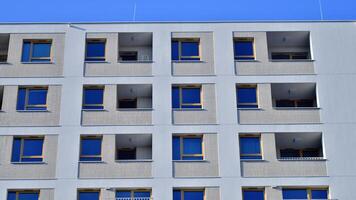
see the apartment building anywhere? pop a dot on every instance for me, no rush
(178, 111)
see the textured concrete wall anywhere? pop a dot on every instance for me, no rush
(10, 117)
(46, 194)
(113, 116)
(15, 68)
(110, 168)
(262, 65)
(209, 167)
(112, 66)
(270, 166)
(207, 115)
(45, 170)
(266, 114)
(212, 193)
(203, 67)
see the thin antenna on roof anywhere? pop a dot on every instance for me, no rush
(134, 12)
(321, 11)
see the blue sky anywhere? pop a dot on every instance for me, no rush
(178, 10)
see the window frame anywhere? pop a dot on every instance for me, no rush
(261, 146)
(182, 191)
(95, 58)
(91, 137)
(247, 86)
(89, 190)
(18, 192)
(181, 147)
(309, 191)
(254, 190)
(27, 92)
(188, 40)
(245, 39)
(37, 41)
(132, 193)
(92, 87)
(21, 156)
(181, 104)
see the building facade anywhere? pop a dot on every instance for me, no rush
(177, 111)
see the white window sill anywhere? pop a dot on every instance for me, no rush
(189, 109)
(4, 63)
(249, 109)
(247, 60)
(29, 163)
(95, 61)
(32, 111)
(95, 110)
(252, 160)
(92, 162)
(191, 161)
(187, 61)
(49, 62)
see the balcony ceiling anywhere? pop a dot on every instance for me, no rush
(135, 39)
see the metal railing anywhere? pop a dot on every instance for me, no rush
(301, 158)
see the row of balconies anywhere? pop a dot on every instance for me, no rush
(132, 54)
(132, 104)
(193, 155)
(186, 193)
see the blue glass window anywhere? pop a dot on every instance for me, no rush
(186, 97)
(295, 194)
(125, 195)
(319, 194)
(244, 49)
(250, 147)
(27, 150)
(175, 50)
(253, 195)
(31, 99)
(187, 148)
(90, 149)
(188, 195)
(177, 195)
(95, 50)
(36, 51)
(30, 195)
(185, 50)
(247, 97)
(93, 98)
(89, 195)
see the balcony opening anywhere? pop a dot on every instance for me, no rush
(134, 96)
(133, 147)
(1, 96)
(135, 47)
(291, 45)
(294, 95)
(299, 146)
(4, 47)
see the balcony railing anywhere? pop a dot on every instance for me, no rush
(301, 158)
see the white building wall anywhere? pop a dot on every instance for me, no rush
(333, 48)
